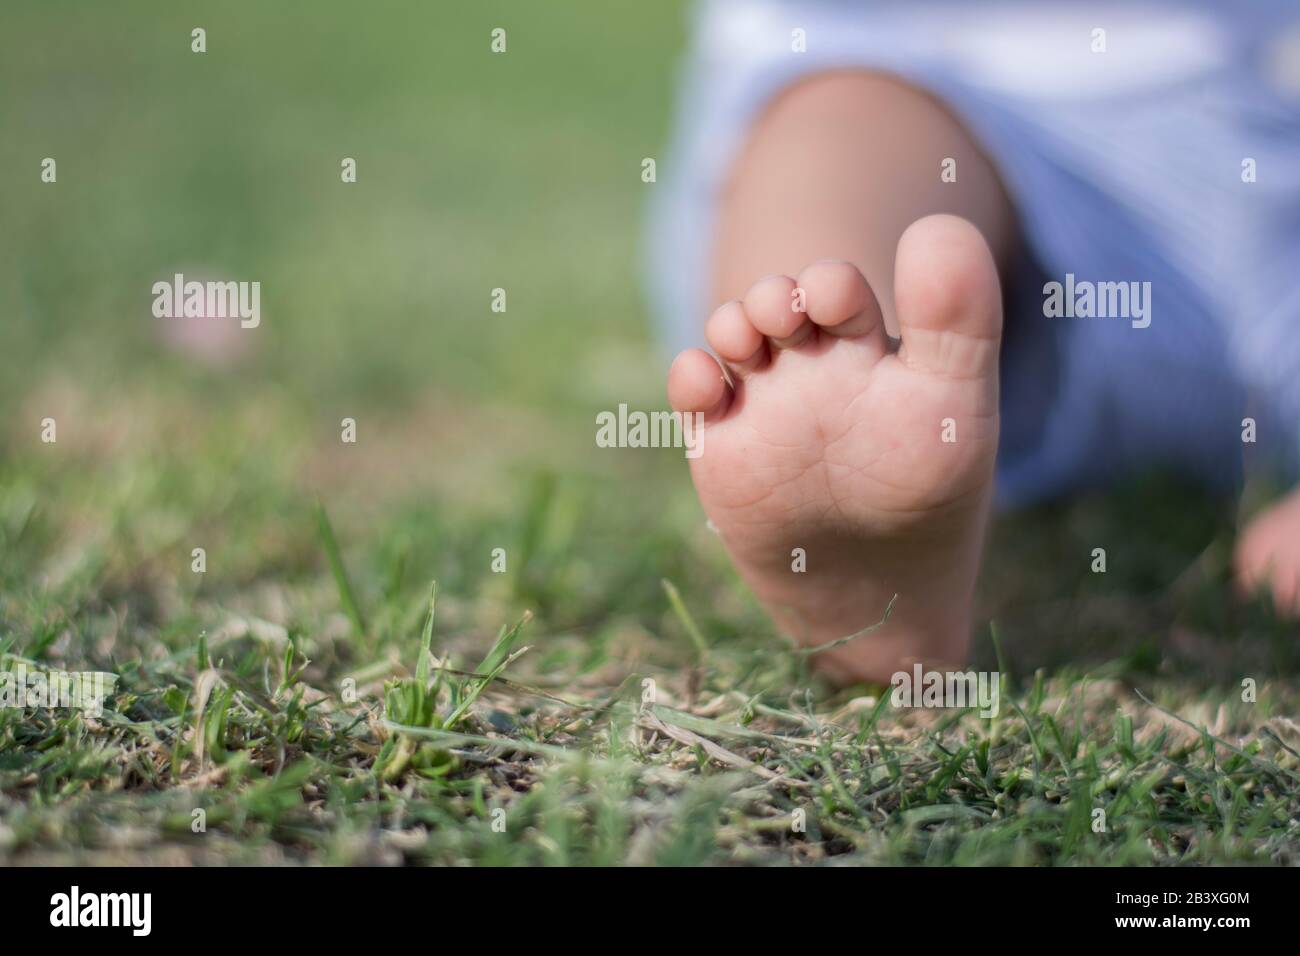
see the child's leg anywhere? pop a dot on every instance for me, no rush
(837, 168)
(839, 472)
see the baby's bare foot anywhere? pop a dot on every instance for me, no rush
(1268, 555)
(840, 471)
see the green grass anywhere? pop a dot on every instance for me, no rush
(305, 693)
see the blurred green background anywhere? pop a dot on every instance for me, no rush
(475, 429)
(475, 171)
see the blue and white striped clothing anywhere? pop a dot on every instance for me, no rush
(1173, 156)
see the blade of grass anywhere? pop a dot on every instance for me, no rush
(346, 595)
(504, 643)
(841, 641)
(426, 638)
(688, 622)
(496, 661)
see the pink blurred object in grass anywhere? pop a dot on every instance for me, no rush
(201, 327)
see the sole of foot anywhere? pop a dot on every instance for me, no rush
(845, 470)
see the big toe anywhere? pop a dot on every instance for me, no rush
(948, 298)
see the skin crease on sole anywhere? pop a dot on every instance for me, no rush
(841, 471)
